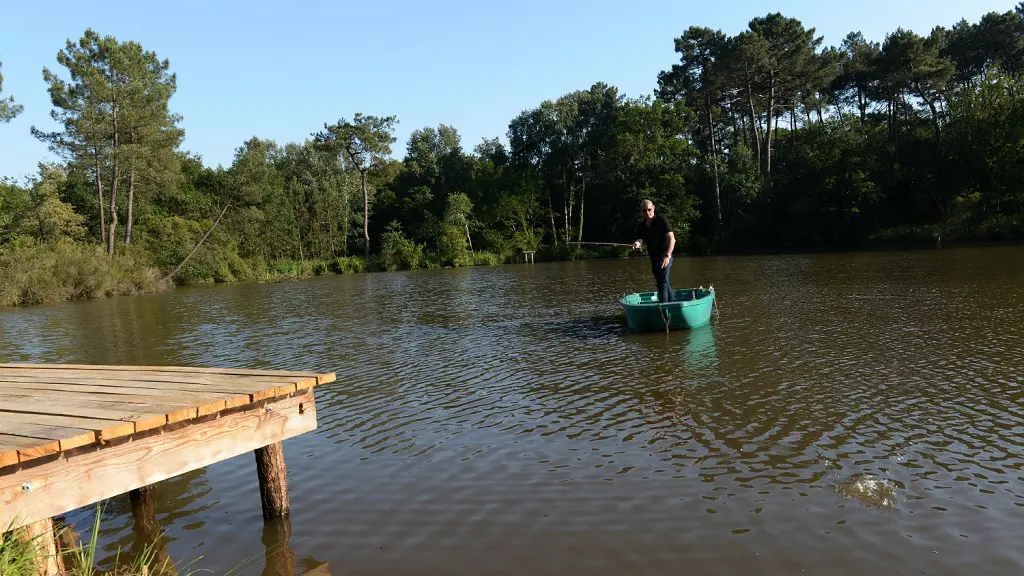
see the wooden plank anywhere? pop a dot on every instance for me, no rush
(101, 385)
(69, 437)
(72, 375)
(144, 416)
(115, 372)
(103, 428)
(97, 376)
(163, 411)
(79, 480)
(260, 388)
(25, 448)
(187, 403)
(322, 378)
(234, 399)
(8, 455)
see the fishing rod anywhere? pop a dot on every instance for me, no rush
(600, 243)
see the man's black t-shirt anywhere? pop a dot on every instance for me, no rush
(653, 235)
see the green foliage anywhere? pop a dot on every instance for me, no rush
(398, 252)
(453, 237)
(18, 553)
(15, 208)
(762, 140)
(365, 142)
(486, 259)
(116, 123)
(56, 272)
(348, 265)
(8, 109)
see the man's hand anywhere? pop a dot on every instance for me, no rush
(664, 262)
(636, 245)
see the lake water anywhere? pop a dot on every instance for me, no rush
(845, 414)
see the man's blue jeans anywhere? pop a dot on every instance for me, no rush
(661, 278)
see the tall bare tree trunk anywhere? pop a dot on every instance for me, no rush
(99, 194)
(113, 188)
(131, 194)
(131, 201)
(366, 218)
(792, 127)
(768, 128)
(570, 201)
(583, 194)
(753, 123)
(551, 212)
(714, 162)
(567, 212)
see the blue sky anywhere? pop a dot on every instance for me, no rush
(279, 71)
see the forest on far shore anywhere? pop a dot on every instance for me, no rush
(767, 140)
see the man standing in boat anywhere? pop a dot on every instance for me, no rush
(656, 232)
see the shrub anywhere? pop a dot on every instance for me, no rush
(62, 271)
(348, 265)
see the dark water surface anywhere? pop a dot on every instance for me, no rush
(846, 414)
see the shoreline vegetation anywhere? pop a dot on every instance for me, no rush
(65, 274)
(766, 141)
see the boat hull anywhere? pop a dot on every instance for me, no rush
(691, 309)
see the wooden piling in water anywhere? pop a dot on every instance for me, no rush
(143, 504)
(148, 534)
(273, 477)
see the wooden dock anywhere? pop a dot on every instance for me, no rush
(74, 435)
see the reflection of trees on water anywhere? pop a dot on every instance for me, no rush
(128, 330)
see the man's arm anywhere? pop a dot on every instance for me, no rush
(668, 250)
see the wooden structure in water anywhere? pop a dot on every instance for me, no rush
(74, 435)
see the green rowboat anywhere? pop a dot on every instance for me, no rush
(691, 309)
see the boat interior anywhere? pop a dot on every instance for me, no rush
(682, 295)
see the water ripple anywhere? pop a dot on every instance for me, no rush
(866, 407)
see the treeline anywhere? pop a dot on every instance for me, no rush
(765, 140)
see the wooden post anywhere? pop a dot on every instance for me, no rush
(273, 478)
(48, 562)
(143, 501)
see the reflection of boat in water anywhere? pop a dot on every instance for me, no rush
(690, 309)
(700, 349)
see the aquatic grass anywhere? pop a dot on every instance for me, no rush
(83, 558)
(17, 553)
